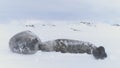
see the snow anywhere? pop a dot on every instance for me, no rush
(100, 34)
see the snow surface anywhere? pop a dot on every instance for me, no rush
(99, 34)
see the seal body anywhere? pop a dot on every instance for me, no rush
(67, 46)
(73, 46)
(24, 42)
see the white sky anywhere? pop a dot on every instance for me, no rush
(101, 10)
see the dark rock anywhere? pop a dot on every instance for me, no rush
(30, 25)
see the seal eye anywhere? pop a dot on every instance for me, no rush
(34, 40)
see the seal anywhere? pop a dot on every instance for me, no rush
(24, 42)
(73, 46)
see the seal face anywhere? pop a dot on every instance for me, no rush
(24, 42)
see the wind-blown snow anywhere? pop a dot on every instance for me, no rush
(99, 34)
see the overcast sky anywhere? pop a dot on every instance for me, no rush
(99, 10)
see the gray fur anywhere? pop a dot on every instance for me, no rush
(67, 46)
(73, 46)
(24, 43)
